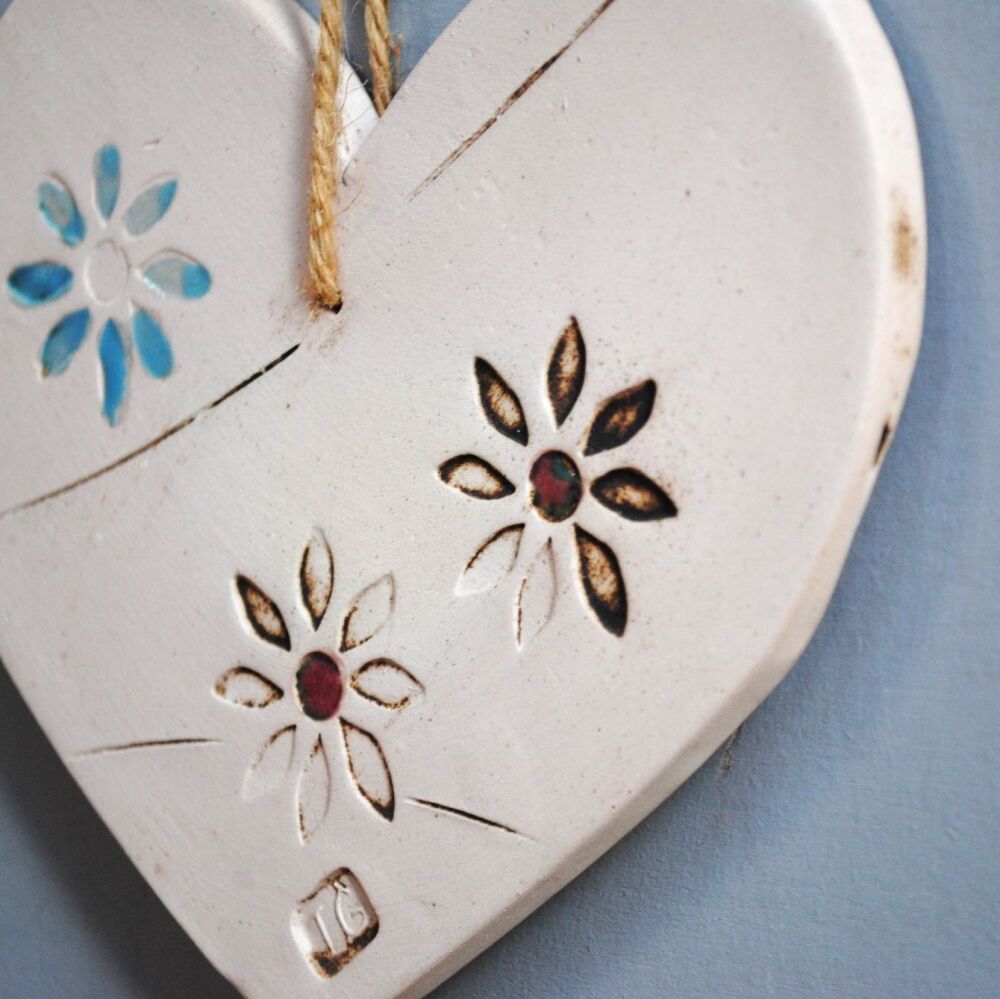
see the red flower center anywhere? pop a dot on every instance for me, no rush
(319, 686)
(556, 486)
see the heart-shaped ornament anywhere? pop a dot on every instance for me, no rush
(366, 633)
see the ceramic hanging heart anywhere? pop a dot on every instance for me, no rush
(366, 633)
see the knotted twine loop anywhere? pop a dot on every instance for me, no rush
(327, 126)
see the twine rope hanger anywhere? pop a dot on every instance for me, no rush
(327, 127)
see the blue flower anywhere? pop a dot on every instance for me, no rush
(107, 279)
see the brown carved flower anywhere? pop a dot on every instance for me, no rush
(320, 682)
(556, 485)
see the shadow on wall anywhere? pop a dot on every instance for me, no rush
(87, 871)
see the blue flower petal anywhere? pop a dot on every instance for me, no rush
(150, 207)
(64, 341)
(114, 368)
(58, 208)
(177, 277)
(39, 283)
(107, 179)
(152, 344)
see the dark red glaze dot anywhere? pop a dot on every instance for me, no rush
(319, 686)
(556, 486)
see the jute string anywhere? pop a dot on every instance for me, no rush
(327, 126)
(380, 52)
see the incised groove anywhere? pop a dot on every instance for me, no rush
(463, 147)
(461, 813)
(884, 440)
(155, 442)
(125, 747)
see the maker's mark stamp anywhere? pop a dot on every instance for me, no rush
(334, 923)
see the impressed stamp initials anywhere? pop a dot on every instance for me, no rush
(335, 923)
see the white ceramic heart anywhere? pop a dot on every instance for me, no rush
(366, 661)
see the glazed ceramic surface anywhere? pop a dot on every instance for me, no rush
(366, 633)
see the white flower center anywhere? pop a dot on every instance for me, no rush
(106, 272)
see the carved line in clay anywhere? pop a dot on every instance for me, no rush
(124, 747)
(461, 813)
(156, 442)
(885, 438)
(517, 94)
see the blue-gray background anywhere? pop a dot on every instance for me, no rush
(846, 843)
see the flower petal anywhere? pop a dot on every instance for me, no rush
(620, 418)
(500, 404)
(369, 613)
(114, 370)
(369, 769)
(40, 283)
(567, 368)
(316, 577)
(313, 793)
(177, 276)
(536, 596)
(270, 765)
(262, 614)
(494, 560)
(152, 345)
(386, 683)
(58, 208)
(474, 477)
(64, 341)
(602, 581)
(107, 179)
(150, 206)
(246, 688)
(633, 495)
